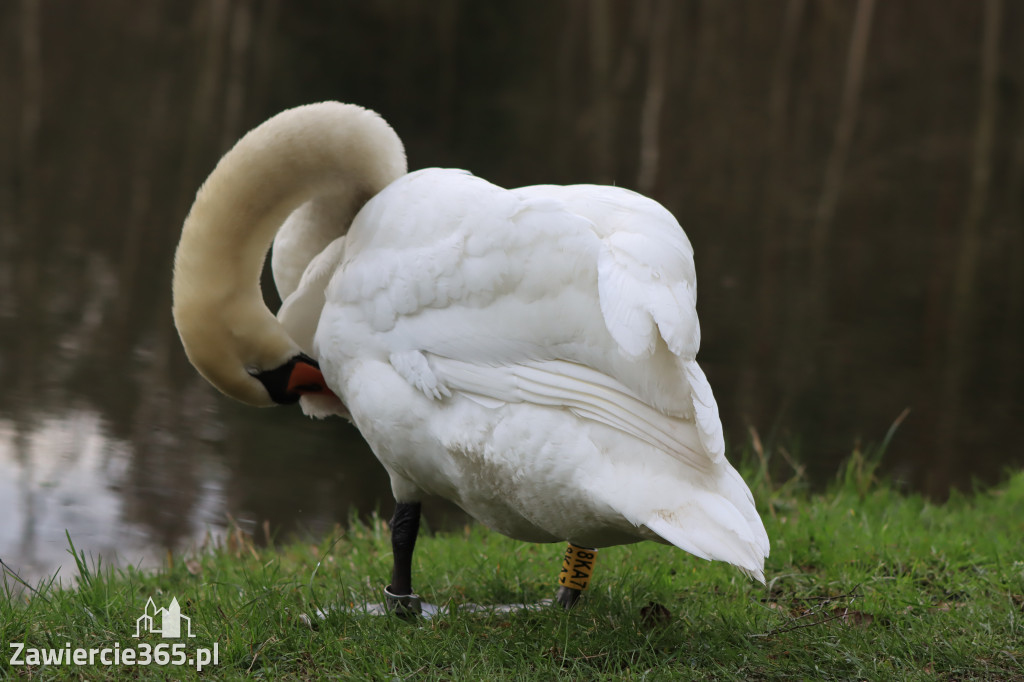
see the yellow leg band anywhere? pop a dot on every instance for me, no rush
(577, 567)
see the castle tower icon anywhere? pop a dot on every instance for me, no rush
(170, 620)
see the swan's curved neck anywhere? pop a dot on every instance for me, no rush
(314, 150)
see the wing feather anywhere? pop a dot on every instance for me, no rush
(642, 294)
(585, 391)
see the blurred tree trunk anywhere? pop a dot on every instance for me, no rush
(265, 58)
(835, 169)
(238, 58)
(601, 93)
(29, 298)
(564, 89)
(958, 359)
(763, 343)
(660, 17)
(447, 82)
(803, 353)
(136, 238)
(1013, 215)
(210, 22)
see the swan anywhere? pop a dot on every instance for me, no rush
(529, 354)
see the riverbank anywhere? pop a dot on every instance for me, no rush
(864, 582)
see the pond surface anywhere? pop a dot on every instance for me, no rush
(845, 278)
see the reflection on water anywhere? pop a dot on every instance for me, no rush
(66, 475)
(128, 500)
(856, 216)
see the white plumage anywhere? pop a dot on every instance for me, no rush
(529, 354)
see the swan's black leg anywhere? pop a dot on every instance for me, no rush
(567, 596)
(577, 568)
(405, 525)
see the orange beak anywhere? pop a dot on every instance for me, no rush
(306, 378)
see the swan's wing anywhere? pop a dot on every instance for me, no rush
(293, 249)
(579, 389)
(300, 312)
(648, 287)
(583, 299)
(646, 279)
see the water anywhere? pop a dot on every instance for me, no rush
(821, 325)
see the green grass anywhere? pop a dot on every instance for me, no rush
(864, 583)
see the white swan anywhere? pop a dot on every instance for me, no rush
(528, 354)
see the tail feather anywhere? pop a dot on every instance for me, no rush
(721, 534)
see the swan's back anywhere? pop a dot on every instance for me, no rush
(568, 306)
(444, 262)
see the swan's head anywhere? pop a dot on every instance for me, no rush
(241, 349)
